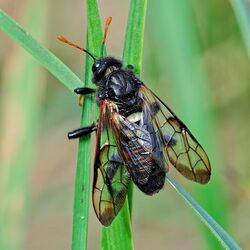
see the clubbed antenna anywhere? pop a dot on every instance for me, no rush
(64, 40)
(108, 22)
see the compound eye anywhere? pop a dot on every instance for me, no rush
(95, 66)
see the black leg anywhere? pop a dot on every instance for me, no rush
(84, 91)
(81, 132)
(130, 67)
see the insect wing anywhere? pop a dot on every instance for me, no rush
(111, 178)
(141, 148)
(182, 149)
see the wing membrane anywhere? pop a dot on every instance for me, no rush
(141, 148)
(182, 149)
(111, 178)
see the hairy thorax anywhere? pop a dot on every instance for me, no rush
(121, 87)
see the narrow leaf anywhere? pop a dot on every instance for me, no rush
(133, 47)
(82, 179)
(215, 228)
(43, 55)
(119, 233)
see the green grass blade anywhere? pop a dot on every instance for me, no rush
(21, 100)
(133, 47)
(82, 185)
(119, 233)
(43, 55)
(224, 238)
(132, 53)
(242, 12)
(82, 179)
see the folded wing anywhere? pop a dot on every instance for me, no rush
(111, 177)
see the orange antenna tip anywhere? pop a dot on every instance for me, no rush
(109, 20)
(62, 39)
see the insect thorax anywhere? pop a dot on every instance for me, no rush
(121, 86)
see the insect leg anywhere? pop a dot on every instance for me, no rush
(130, 67)
(84, 91)
(81, 132)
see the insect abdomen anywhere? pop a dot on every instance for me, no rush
(155, 182)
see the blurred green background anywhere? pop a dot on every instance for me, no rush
(194, 58)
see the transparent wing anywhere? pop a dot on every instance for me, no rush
(141, 149)
(182, 149)
(111, 178)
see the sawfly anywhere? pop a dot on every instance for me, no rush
(137, 137)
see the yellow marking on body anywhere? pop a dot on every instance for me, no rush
(135, 117)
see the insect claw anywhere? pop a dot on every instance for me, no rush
(130, 67)
(80, 102)
(94, 126)
(83, 91)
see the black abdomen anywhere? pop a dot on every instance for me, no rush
(155, 182)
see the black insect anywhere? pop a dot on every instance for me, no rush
(138, 137)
